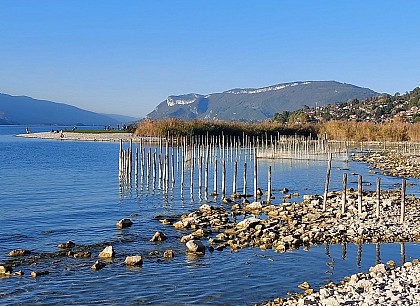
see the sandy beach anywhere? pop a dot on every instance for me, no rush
(81, 136)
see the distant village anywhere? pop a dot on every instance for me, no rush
(385, 108)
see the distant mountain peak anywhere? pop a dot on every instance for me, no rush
(250, 104)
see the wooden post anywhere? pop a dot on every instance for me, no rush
(154, 168)
(206, 171)
(377, 253)
(269, 185)
(120, 157)
(343, 200)
(160, 169)
(173, 169)
(235, 171)
(215, 178)
(403, 187)
(255, 176)
(136, 164)
(148, 166)
(142, 163)
(223, 178)
(359, 194)
(378, 196)
(402, 252)
(245, 179)
(327, 182)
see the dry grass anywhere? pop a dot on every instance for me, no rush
(177, 128)
(335, 130)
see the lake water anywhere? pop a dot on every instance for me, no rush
(54, 191)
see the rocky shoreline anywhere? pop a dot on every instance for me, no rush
(383, 285)
(392, 163)
(293, 225)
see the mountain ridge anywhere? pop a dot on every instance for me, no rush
(27, 110)
(251, 104)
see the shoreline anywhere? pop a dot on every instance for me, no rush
(106, 137)
(382, 284)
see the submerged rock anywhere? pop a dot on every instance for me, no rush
(124, 223)
(79, 254)
(158, 236)
(39, 273)
(5, 269)
(168, 254)
(67, 245)
(17, 253)
(98, 265)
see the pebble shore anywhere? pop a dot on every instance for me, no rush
(382, 285)
(111, 137)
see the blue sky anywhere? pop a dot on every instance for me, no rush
(125, 57)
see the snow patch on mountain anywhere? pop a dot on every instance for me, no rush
(265, 89)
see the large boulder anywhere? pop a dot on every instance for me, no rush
(196, 246)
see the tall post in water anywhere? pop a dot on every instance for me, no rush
(154, 168)
(223, 179)
(403, 187)
(173, 169)
(245, 180)
(327, 182)
(255, 176)
(235, 172)
(378, 196)
(359, 194)
(142, 163)
(130, 161)
(215, 178)
(269, 185)
(344, 198)
(182, 170)
(120, 158)
(206, 171)
(136, 164)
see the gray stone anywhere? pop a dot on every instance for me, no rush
(135, 260)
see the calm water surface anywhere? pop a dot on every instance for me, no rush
(54, 191)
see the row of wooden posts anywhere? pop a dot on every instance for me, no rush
(204, 151)
(360, 193)
(160, 166)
